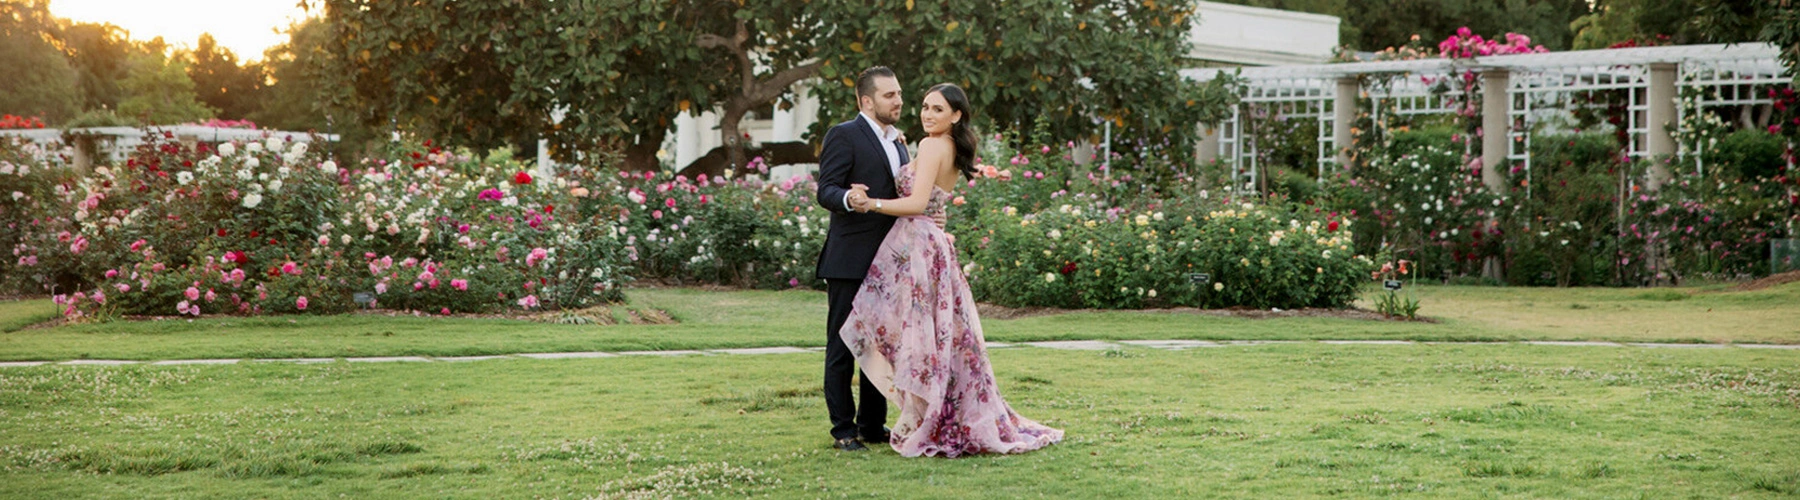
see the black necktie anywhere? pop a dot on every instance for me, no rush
(901, 147)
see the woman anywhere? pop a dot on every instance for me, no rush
(914, 329)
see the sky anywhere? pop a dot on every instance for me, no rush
(247, 27)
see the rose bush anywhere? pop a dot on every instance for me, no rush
(269, 226)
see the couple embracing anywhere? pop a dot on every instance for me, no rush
(900, 307)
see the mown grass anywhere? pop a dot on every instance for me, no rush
(16, 314)
(1286, 420)
(711, 320)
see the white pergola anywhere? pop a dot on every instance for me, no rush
(118, 142)
(1518, 92)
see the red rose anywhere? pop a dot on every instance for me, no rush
(1333, 226)
(549, 209)
(1068, 268)
(221, 232)
(521, 178)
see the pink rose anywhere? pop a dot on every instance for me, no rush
(459, 284)
(290, 268)
(300, 303)
(193, 293)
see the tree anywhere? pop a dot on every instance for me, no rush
(159, 92)
(222, 83)
(1391, 23)
(38, 80)
(101, 55)
(1067, 64)
(297, 93)
(433, 67)
(1678, 22)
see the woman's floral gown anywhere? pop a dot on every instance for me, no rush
(916, 335)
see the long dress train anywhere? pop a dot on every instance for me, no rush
(915, 333)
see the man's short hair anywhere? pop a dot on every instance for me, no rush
(865, 82)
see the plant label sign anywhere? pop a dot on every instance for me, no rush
(1199, 278)
(1391, 285)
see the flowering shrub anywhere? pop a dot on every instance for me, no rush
(738, 230)
(271, 227)
(1422, 200)
(18, 122)
(1035, 233)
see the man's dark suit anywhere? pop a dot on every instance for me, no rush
(852, 154)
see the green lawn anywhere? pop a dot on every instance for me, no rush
(16, 314)
(1283, 420)
(762, 318)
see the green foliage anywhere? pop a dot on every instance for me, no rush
(1678, 22)
(1391, 23)
(222, 83)
(1397, 305)
(1024, 62)
(38, 81)
(101, 55)
(160, 92)
(299, 96)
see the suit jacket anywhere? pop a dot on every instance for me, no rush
(852, 154)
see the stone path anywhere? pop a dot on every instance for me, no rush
(1068, 345)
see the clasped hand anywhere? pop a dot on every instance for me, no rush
(860, 202)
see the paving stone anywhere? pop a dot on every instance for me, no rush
(304, 361)
(1679, 346)
(99, 362)
(1171, 344)
(1575, 343)
(21, 364)
(663, 353)
(389, 359)
(454, 359)
(1075, 345)
(1258, 342)
(762, 350)
(197, 362)
(999, 345)
(1769, 346)
(568, 355)
(1367, 342)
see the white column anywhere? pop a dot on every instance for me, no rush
(783, 130)
(1495, 123)
(1661, 142)
(1208, 150)
(687, 139)
(1347, 92)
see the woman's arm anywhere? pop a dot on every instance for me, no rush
(934, 153)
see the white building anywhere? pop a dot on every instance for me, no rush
(1226, 35)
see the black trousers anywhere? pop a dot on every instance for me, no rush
(847, 419)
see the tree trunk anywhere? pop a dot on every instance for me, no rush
(641, 157)
(734, 138)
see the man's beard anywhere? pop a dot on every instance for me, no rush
(887, 119)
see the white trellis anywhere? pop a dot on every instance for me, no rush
(1536, 86)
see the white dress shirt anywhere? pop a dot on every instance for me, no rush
(887, 135)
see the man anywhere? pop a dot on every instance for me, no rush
(859, 160)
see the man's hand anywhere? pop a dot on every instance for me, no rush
(941, 218)
(859, 198)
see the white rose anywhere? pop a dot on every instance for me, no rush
(274, 145)
(253, 147)
(330, 167)
(275, 185)
(184, 177)
(227, 149)
(252, 200)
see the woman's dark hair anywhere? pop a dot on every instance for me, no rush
(959, 131)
